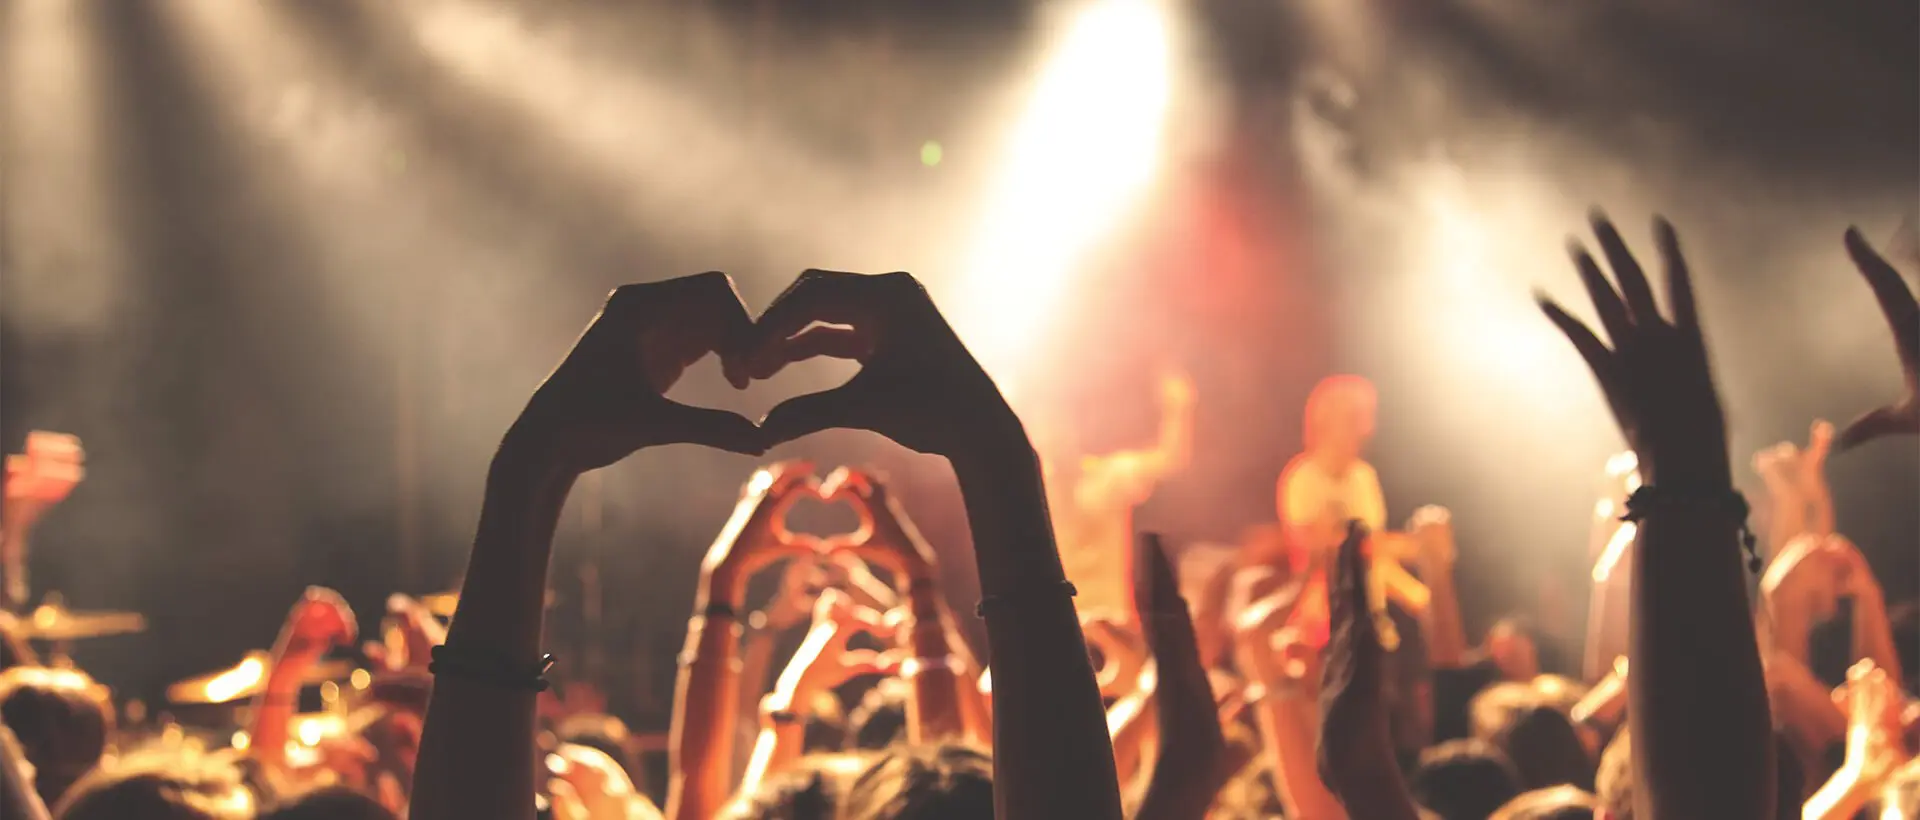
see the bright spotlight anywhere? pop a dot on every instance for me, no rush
(1086, 145)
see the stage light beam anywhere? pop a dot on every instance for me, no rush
(1085, 147)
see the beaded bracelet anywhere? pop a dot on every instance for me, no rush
(491, 669)
(1650, 499)
(990, 602)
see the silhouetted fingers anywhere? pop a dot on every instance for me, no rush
(1606, 301)
(812, 342)
(805, 415)
(1896, 300)
(830, 297)
(1878, 423)
(708, 427)
(1679, 278)
(1599, 359)
(1634, 288)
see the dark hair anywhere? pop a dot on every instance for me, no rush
(1544, 746)
(881, 718)
(330, 803)
(161, 787)
(1613, 783)
(1557, 803)
(1464, 779)
(63, 721)
(809, 790)
(944, 782)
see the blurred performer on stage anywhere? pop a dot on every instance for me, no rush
(1093, 508)
(1325, 488)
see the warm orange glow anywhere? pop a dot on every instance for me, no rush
(239, 681)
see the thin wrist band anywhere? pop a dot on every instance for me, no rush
(1650, 499)
(491, 669)
(990, 603)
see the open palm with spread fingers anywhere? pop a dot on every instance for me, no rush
(1655, 375)
(1903, 318)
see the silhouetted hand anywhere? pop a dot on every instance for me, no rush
(605, 399)
(1355, 739)
(917, 383)
(1903, 318)
(1655, 376)
(1193, 762)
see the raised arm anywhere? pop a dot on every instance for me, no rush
(600, 405)
(1702, 737)
(320, 621)
(1355, 746)
(939, 666)
(1193, 761)
(822, 663)
(1432, 529)
(920, 387)
(1129, 476)
(36, 481)
(1903, 318)
(707, 693)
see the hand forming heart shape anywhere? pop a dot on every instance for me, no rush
(918, 385)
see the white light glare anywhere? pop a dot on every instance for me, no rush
(1087, 143)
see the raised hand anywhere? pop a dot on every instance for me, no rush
(753, 539)
(1193, 761)
(44, 475)
(1356, 753)
(1700, 724)
(1903, 318)
(886, 536)
(824, 660)
(1353, 715)
(917, 383)
(1655, 376)
(320, 621)
(605, 399)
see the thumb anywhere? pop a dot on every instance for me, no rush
(713, 428)
(1885, 421)
(802, 416)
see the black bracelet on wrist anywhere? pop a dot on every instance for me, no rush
(718, 609)
(990, 603)
(781, 717)
(1650, 499)
(491, 669)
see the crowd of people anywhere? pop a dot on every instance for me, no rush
(1322, 670)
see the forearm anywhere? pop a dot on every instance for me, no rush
(934, 713)
(1447, 641)
(1286, 723)
(1128, 724)
(1702, 735)
(1052, 757)
(477, 751)
(705, 707)
(1786, 515)
(15, 594)
(1873, 634)
(274, 707)
(779, 744)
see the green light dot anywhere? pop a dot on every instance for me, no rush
(930, 153)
